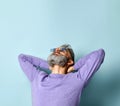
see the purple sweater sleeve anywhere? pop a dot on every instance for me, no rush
(30, 64)
(89, 64)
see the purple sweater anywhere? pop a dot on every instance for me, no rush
(59, 89)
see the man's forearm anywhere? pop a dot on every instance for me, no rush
(35, 61)
(98, 54)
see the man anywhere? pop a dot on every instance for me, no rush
(62, 87)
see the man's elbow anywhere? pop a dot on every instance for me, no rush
(102, 52)
(21, 57)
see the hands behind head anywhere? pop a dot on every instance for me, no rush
(70, 69)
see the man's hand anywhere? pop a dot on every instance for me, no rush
(70, 69)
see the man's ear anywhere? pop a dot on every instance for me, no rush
(50, 68)
(70, 62)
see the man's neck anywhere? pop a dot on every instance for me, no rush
(58, 70)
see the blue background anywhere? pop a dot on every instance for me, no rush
(35, 26)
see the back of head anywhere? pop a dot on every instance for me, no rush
(69, 48)
(61, 60)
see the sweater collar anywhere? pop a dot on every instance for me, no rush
(56, 75)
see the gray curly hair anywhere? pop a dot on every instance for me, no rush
(69, 48)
